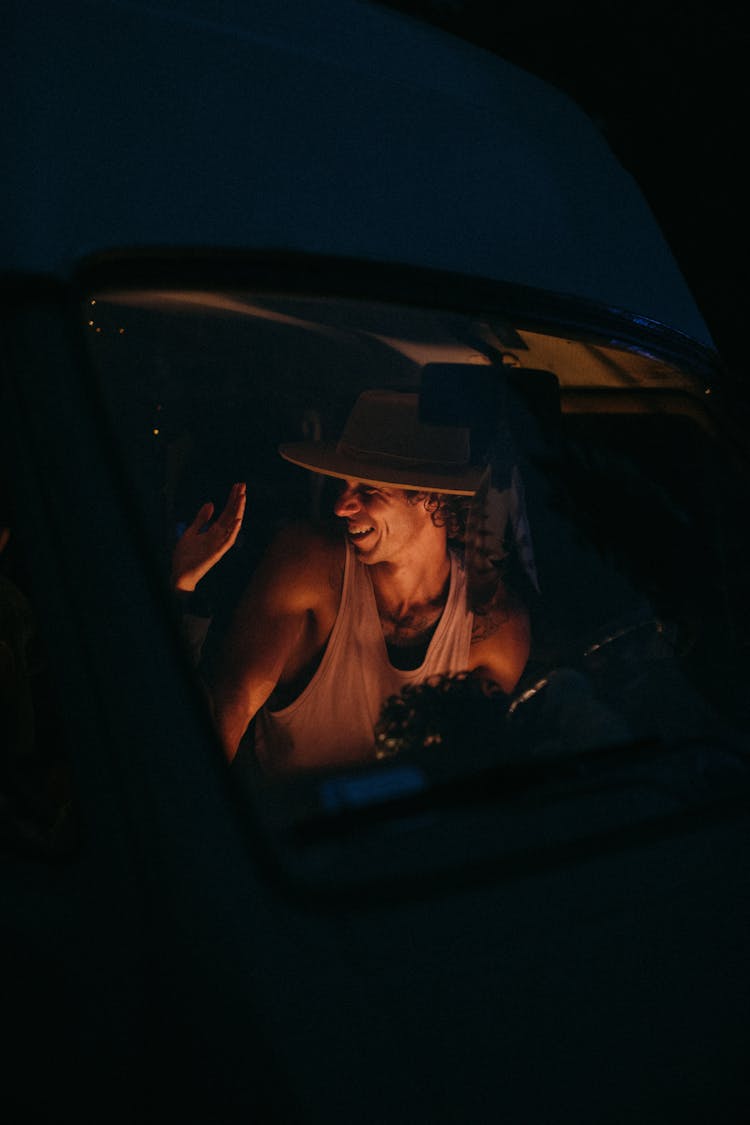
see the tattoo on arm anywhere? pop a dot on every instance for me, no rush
(485, 625)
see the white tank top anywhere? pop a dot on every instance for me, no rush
(332, 722)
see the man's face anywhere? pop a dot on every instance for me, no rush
(381, 524)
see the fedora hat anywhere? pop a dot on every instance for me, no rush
(386, 443)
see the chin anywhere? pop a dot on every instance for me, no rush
(367, 554)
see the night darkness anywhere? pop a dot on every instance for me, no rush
(666, 83)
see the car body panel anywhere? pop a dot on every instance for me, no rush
(349, 131)
(534, 951)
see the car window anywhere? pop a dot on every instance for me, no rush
(608, 509)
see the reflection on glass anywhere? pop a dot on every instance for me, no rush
(403, 533)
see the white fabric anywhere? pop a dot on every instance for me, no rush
(333, 720)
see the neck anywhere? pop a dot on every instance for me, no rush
(399, 589)
(409, 622)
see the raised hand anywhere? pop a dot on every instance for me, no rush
(203, 542)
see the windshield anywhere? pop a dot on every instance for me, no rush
(583, 488)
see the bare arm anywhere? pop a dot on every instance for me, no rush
(282, 620)
(500, 645)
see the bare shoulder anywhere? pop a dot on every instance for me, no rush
(500, 641)
(302, 567)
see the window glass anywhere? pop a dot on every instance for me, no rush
(603, 511)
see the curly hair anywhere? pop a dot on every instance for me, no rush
(495, 582)
(438, 713)
(448, 511)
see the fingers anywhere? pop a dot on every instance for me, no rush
(233, 529)
(234, 510)
(237, 498)
(227, 525)
(203, 542)
(202, 516)
(241, 501)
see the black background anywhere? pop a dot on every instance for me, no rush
(666, 84)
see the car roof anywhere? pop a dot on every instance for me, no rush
(330, 127)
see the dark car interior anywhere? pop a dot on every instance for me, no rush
(628, 492)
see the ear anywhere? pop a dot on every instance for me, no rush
(427, 500)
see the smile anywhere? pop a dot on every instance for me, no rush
(359, 533)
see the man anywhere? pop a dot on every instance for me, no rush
(332, 625)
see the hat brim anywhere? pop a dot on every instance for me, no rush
(326, 458)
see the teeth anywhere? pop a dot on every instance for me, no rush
(362, 531)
